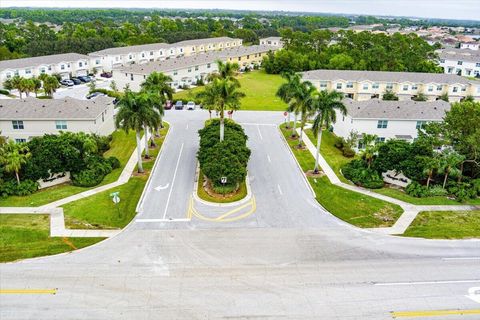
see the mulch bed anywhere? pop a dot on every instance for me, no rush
(311, 174)
(207, 186)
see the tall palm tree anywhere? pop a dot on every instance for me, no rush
(159, 83)
(50, 85)
(134, 112)
(368, 141)
(286, 93)
(221, 95)
(326, 103)
(226, 70)
(14, 83)
(13, 156)
(303, 104)
(27, 86)
(37, 84)
(448, 164)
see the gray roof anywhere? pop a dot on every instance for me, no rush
(385, 76)
(194, 60)
(397, 110)
(158, 46)
(272, 38)
(41, 60)
(460, 54)
(53, 109)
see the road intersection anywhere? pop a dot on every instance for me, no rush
(285, 259)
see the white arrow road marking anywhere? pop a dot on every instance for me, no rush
(162, 187)
(173, 181)
(474, 294)
(268, 158)
(259, 133)
(279, 189)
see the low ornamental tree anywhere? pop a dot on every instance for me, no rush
(13, 156)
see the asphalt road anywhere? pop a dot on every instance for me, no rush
(288, 259)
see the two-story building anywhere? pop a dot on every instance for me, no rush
(472, 45)
(463, 62)
(65, 64)
(272, 41)
(366, 85)
(388, 119)
(22, 119)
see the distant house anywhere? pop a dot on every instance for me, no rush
(388, 119)
(464, 62)
(366, 85)
(64, 64)
(272, 41)
(472, 45)
(22, 119)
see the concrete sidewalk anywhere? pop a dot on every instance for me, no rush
(410, 211)
(57, 220)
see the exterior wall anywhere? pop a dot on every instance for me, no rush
(471, 46)
(269, 42)
(466, 68)
(33, 128)
(248, 59)
(366, 90)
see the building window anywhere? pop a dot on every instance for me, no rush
(382, 124)
(49, 68)
(17, 124)
(405, 87)
(161, 52)
(42, 70)
(20, 140)
(189, 69)
(61, 125)
(430, 88)
(380, 139)
(375, 85)
(339, 86)
(130, 57)
(208, 65)
(414, 86)
(455, 89)
(143, 55)
(459, 63)
(196, 68)
(389, 86)
(365, 86)
(477, 64)
(28, 71)
(439, 88)
(131, 76)
(323, 84)
(62, 67)
(16, 72)
(97, 61)
(175, 72)
(442, 60)
(421, 124)
(9, 75)
(151, 53)
(80, 64)
(349, 85)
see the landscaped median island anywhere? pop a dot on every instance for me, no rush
(223, 164)
(355, 208)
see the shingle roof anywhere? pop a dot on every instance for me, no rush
(385, 76)
(272, 38)
(41, 60)
(61, 109)
(460, 54)
(397, 110)
(205, 41)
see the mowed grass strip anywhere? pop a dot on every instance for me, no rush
(355, 208)
(99, 211)
(445, 225)
(259, 88)
(28, 236)
(122, 147)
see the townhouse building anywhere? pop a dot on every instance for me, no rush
(472, 45)
(187, 70)
(463, 62)
(66, 65)
(23, 119)
(272, 41)
(388, 119)
(111, 58)
(366, 85)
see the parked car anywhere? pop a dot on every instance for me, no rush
(67, 82)
(94, 95)
(84, 78)
(179, 105)
(76, 81)
(105, 75)
(191, 105)
(168, 105)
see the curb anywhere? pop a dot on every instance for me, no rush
(216, 204)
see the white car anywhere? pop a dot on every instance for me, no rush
(191, 105)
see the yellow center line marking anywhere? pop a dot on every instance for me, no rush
(234, 210)
(201, 217)
(433, 313)
(28, 291)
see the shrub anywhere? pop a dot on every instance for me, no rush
(348, 152)
(4, 92)
(437, 191)
(339, 143)
(12, 188)
(114, 162)
(462, 190)
(357, 172)
(416, 190)
(87, 178)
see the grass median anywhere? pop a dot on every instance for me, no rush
(355, 208)
(202, 193)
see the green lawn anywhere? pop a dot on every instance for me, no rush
(99, 212)
(400, 195)
(355, 208)
(122, 147)
(259, 88)
(242, 193)
(445, 225)
(27, 236)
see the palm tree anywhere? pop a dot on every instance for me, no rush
(13, 156)
(14, 83)
(448, 164)
(326, 103)
(226, 70)
(368, 141)
(159, 83)
(134, 112)
(220, 95)
(431, 164)
(50, 85)
(37, 84)
(303, 103)
(286, 93)
(27, 86)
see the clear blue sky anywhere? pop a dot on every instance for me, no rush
(454, 9)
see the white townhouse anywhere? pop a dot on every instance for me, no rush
(111, 58)
(366, 85)
(22, 119)
(272, 41)
(472, 45)
(464, 62)
(388, 119)
(65, 64)
(187, 70)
